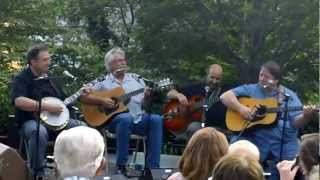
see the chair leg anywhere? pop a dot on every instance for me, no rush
(134, 160)
(26, 147)
(23, 147)
(144, 146)
(21, 143)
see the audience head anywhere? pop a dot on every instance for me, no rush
(234, 167)
(309, 152)
(244, 147)
(79, 152)
(202, 152)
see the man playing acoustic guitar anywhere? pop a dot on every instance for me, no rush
(134, 121)
(191, 101)
(273, 144)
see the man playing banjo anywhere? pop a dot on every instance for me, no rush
(28, 87)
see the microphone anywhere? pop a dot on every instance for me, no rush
(207, 88)
(270, 82)
(68, 74)
(45, 76)
(120, 69)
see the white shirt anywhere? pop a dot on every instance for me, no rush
(131, 82)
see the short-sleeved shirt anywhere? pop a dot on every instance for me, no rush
(130, 83)
(26, 85)
(269, 138)
(215, 114)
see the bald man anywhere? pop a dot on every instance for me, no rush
(214, 115)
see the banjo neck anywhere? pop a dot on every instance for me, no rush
(73, 97)
(77, 94)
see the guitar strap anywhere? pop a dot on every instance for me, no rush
(212, 96)
(59, 92)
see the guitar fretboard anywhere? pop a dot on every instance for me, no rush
(130, 94)
(281, 109)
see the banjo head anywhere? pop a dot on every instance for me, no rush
(55, 121)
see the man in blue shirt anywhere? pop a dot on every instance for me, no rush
(270, 140)
(136, 120)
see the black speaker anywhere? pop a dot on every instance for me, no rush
(12, 166)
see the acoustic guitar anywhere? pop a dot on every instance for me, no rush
(177, 117)
(264, 113)
(97, 116)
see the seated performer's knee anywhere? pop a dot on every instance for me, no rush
(125, 119)
(156, 119)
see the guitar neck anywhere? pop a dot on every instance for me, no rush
(130, 94)
(281, 109)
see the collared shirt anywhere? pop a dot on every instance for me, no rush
(270, 138)
(131, 82)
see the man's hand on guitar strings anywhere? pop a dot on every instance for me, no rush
(108, 103)
(246, 112)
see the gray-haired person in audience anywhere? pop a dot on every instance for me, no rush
(244, 147)
(78, 152)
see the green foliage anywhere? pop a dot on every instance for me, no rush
(178, 39)
(186, 36)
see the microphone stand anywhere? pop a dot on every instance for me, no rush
(285, 119)
(38, 91)
(36, 158)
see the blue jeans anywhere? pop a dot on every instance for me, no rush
(150, 126)
(28, 132)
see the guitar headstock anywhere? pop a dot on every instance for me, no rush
(163, 84)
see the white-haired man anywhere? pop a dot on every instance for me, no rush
(244, 148)
(136, 121)
(74, 160)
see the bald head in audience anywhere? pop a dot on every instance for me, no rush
(244, 147)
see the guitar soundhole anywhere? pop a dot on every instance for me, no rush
(260, 113)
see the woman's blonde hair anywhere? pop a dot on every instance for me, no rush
(203, 151)
(233, 167)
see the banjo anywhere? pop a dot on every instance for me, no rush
(59, 121)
